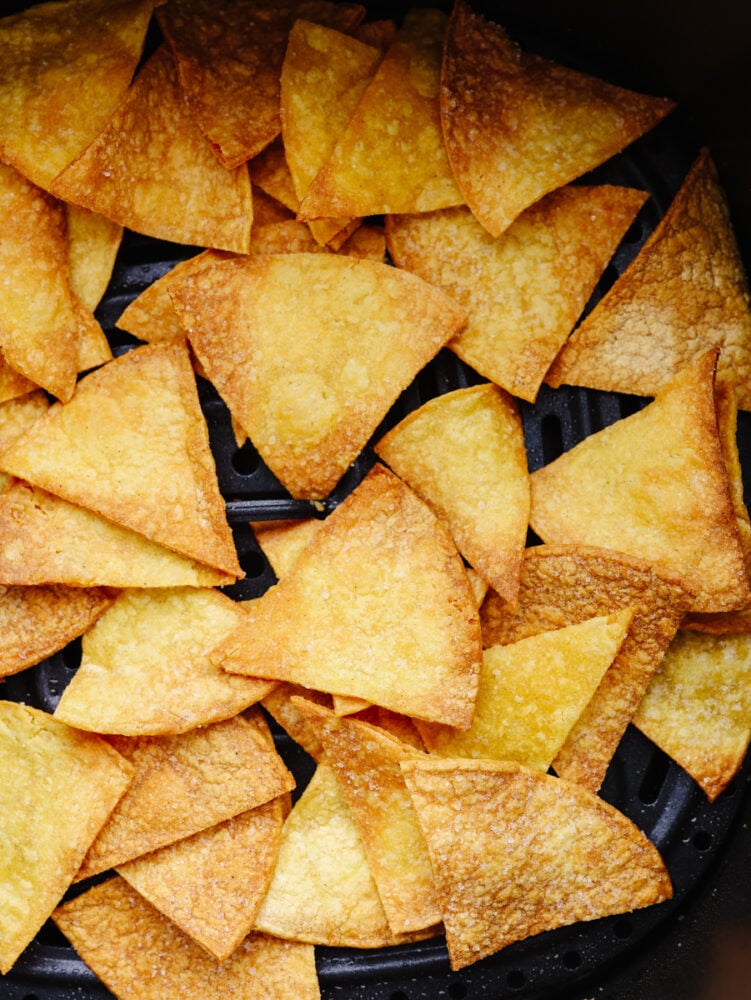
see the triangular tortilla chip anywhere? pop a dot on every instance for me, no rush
(322, 891)
(187, 783)
(685, 291)
(524, 290)
(59, 786)
(366, 762)
(150, 169)
(48, 540)
(94, 242)
(463, 453)
(532, 692)
(517, 126)
(654, 485)
(64, 69)
(138, 952)
(12, 383)
(37, 621)
(132, 445)
(516, 852)
(212, 884)
(283, 541)
(391, 157)
(16, 416)
(229, 55)
(282, 706)
(698, 706)
(376, 606)
(145, 670)
(562, 585)
(311, 392)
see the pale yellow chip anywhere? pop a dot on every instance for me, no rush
(463, 453)
(59, 786)
(532, 692)
(16, 416)
(94, 242)
(391, 157)
(685, 291)
(283, 541)
(35, 622)
(230, 56)
(212, 884)
(322, 891)
(64, 69)
(525, 289)
(151, 169)
(698, 706)
(366, 762)
(516, 852)
(654, 485)
(44, 539)
(309, 351)
(187, 783)
(145, 669)
(132, 445)
(141, 955)
(517, 126)
(376, 606)
(563, 585)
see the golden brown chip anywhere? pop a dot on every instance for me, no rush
(94, 242)
(400, 726)
(212, 884)
(322, 890)
(532, 692)
(525, 289)
(463, 453)
(44, 539)
(59, 786)
(132, 445)
(267, 210)
(186, 783)
(145, 669)
(282, 705)
(391, 157)
(562, 585)
(516, 852)
(151, 169)
(517, 126)
(269, 172)
(698, 706)
(654, 485)
(685, 291)
(140, 954)
(12, 383)
(16, 416)
(309, 351)
(65, 67)
(376, 606)
(230, 54)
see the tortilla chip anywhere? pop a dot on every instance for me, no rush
(322, 891)
(12, 383)
(654, 485)
(140, 954)
(36, 622)
(267, 210)
(516, 852)
(186, 783)
(366, 241)
(145, 670)
(524, 290)
(282, 705)
(391, 157)
(309, 351)
(65, 67)
(212, 884)
(229, 55)
(283, 541)
(685, 291)
(563, 585)
(94, 242)
(150, 169)
(463, 453)
(517, 126)
(16, 416)
(366, 762)
(269, 172)
(698, 706)
(59, 786)
(138, 417)
(44, 539)
(532, 692)
(376, 606)
(401, 727)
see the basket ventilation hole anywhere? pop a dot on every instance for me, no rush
(572, 960)
(516, 980)
(702, 840)
(246, 460)
(71, 655)
(457, 991)
(253, 563)
(654, 778)
(552, 439)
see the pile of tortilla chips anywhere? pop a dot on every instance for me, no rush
(360, 194)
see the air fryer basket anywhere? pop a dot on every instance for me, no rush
(693, 835)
